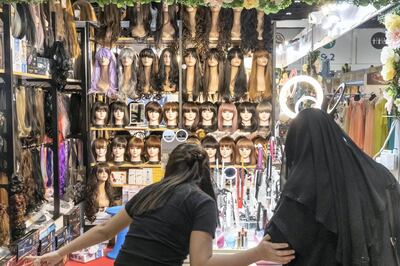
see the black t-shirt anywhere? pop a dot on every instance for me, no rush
(162, 236)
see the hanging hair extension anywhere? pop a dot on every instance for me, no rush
(92, 191)
(29, 115)
(218, 55)
(70, 28)
(47, 27)
(248, 29)
(268, 34)
(4, 226)
(240, 85)
(147, 52)
(55, 6)
(60, 65)
(48, 114)
(86, 11)
(110, 27)
(39, 195)
(135, 17)
(23, 129)
(253, 88)
(76, 116)
(197, 80)
(129, 89)
(38, 111)
(38, 31)
(225, 24)
(173, 77)
(29, 182)
(18, 21)
(203, 27)
(187, 33)
(30, 31)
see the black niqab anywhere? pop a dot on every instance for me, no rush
(336, 196)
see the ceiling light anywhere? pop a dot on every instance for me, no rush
(297, 1)
(288, 13)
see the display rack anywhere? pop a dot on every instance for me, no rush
(12, 78)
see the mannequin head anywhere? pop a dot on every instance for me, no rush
(119, 114)
(99, 114)
(171, 114)
(168, 15)
(235, 59)
(104, 60)
(208, 116)
(139, 20)
(261, 59)
(245, 152)
(227, 150)
(193, 139)
(264, 143)
(168, 72)
(214, 60)
(211, 146)
(227, 117)
(247, 117)
(264, 110)
(99, 149)
(147, 61)
(153, 114)
(84, 11)
(100, 176)
(127, 60)
(136, 150)
(118, 148)
(191, 60)
(153, 149)
(191, 117)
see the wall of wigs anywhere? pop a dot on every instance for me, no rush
(214, 81)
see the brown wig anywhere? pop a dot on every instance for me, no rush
(96, 107)
(29, 182)
(253, 91)
(4, 226)
(187, 164)
(187, 33)
(173, 19)
(23, 127)
(98, 144)
(121, 106)
(203, 27)
(264, 143)
(225, 24)
(251, 108)
(230, 107)
(155, 142)
(173, 106)
(135, 142)
(56, 7)
(216, 54)
(92, 191)
(38, 107)
(86, 11)
(70, 29)
(193, 139)
(147, 52)
(228, 142)
(110, 28)
(247, 144)
(153, 107)
(191, 107)
(240, 85)
(143, 16)
(265, 106)
(209, 106)
(197, 80)
(210, 142)
(173, 76)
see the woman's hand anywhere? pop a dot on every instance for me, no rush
(274, 252)
(49, 259)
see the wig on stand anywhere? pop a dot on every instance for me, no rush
(127, 89)
(190, 107)
(250, 108)
(139, 16)
(228, 142)
(151, 80)
(197, 79)
(122, 107)
(110, 27)
(212, 108)
(227, 108)
(234, 88)
(111, 79)
(171, 107)
(209, 80)
(135, 143)
(168, 75)
(99, 106)
(258, 92)
(209, 142)
(245, 143)
(152, 142)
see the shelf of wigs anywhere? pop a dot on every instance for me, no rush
(37, 76)
(133, 128)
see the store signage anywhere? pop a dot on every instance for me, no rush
(330, 45)
(378, 40)
(287, 90)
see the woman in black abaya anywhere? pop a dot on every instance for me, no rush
(338, 206)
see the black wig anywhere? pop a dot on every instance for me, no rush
(240, 86)
(173, 77)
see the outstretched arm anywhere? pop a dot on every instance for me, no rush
(94, 236)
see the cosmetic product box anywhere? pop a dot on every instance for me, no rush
(46, 239)
(73, 220)
(28, 245)
(88, 254)
(61, 237)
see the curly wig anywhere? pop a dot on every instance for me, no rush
(142, 79)
(248, 29)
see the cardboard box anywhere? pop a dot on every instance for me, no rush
(73, 220)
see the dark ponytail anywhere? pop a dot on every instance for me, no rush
(188, 163)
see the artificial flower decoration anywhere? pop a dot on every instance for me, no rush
(249, 4)
(390, 58)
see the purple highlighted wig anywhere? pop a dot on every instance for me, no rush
(112, 71)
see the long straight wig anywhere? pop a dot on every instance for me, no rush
(112, 71)
(147, 52)
(127, 90)
(142, 16)
(71, 34)
(216, 54)
(198, 84)
(253, 90)
(240, 85)
(187, 164)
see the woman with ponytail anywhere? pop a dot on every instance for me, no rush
(171, 219)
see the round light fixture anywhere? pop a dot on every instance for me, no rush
(286, 90)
